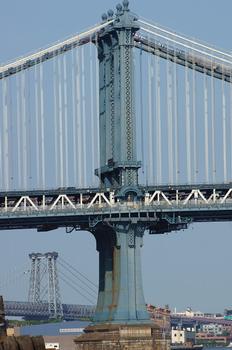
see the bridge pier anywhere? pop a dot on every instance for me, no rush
(121, 320)
(121, 298)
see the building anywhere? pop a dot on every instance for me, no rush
(160, 316)
(182, 336)
(57, 336)
(189, 313)
(212, 340)
(213, 328)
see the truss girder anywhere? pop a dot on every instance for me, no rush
(30, 310)
(60, 210)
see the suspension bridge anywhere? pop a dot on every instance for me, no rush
(121, 129)
(45, 299)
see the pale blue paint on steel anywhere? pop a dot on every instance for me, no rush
(118, 163)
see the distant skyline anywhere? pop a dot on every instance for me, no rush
(191, 268)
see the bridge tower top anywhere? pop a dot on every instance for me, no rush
(44, 265)
(118, 158)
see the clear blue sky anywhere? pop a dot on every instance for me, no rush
(190, 268)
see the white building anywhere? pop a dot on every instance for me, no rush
(181, 336)
(189, 313)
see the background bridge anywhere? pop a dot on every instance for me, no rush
(41, 311)
(45, 297)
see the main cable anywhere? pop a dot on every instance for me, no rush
(210, 48)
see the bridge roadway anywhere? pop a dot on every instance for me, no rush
(41, 311)
(72, 312)
(163, 209)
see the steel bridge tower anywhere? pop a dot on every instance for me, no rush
(43, 267)
(121, 311)
(121, 298)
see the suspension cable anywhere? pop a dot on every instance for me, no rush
(75, 289)
(71, 280)
(78, 272)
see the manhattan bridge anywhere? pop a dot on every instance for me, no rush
(121, 129)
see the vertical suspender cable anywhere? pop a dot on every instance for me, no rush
(18, 109)
(170, 122)
(175, 110)
(158, 122)
(97, 109)
(206, 128)
(66, 160)
(187, 130)
(195, 170)
(83, 114)
(141, 107)
(5, 135)
(230, 141)
(92, 141)
(1, 146)
(55, 80)
(213, 126)
(224, 131)
(42, 140)
(79, 123)
(24, 131)
(11, 123)
(29, 129)
(150, 122)
(37, 126)
(61, 138)
(74, 115)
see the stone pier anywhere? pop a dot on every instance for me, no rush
(122, 337)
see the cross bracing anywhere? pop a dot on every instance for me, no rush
(46, 211)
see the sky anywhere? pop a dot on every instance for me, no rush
(188, 268)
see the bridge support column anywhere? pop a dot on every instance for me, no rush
(120, 297)
(121, 320)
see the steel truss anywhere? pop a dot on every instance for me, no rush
(41, 311)
(82, 208)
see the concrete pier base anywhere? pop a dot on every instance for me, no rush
(122, 337)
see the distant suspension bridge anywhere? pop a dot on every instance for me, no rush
(44, 297)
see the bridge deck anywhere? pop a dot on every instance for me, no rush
(85, 207)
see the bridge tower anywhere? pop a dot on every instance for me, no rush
(121, 297)
(35, 277)
(44, 269)
(118, 161)
(121, 319)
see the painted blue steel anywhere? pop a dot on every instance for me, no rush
(118, 163)
(120, 298)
